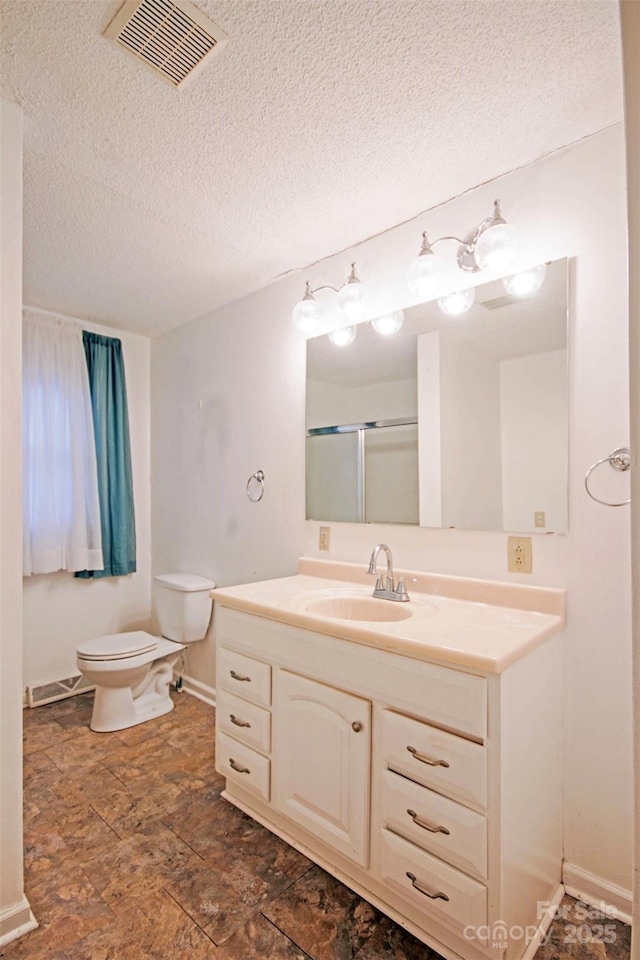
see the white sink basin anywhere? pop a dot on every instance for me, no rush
(360, 608)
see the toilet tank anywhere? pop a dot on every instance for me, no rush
(183, 605)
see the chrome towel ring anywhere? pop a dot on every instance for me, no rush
(619, 459)
(258, 477)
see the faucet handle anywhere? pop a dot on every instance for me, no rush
(401, 589)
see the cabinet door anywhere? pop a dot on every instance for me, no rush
(321, 760)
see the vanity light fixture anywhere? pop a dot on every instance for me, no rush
(389, 324)
(343, 337)
(491, 245)
(351, 303)
(458, 302)
(527, 282)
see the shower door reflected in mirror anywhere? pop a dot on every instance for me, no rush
(480, 439)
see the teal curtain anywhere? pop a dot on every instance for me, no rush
(113, 452)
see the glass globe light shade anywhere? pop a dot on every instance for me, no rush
(522, 284)
(389, 324)
(306, 316)
(496, 248)
(457, 303)
(425, 275)
(352, 300)
(343, 337)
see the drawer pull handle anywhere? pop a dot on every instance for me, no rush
(356, 726)
(429, 760)
(419, 822)
(238, 676)
(418, 886)
(239, 723)
(238, 768)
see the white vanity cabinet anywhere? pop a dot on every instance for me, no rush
(430, 789)
(322, 749)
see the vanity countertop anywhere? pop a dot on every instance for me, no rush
(441, 628)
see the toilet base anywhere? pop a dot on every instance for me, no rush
(116, 708)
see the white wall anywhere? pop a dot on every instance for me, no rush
(329, 405)
(227, 400)
(15, 915)
(61, 610)
(246, 363)
(630, 23)
(534, 441)
(470, 437)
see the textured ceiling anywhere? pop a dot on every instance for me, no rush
(320, 123)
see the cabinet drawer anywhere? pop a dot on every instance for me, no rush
(447, 829)
(244, 721)
(450, 765)
(244, 676)
(425, 882)
(243, 765)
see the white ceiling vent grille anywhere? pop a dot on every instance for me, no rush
(506, 300)
(172, 36)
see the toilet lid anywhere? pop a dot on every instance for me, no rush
(117, 646)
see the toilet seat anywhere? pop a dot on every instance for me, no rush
(118, 646)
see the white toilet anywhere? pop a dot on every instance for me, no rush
(132, 671)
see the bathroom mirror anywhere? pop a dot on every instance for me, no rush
(451, 422)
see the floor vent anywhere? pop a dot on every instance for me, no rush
(171, 36)
(57, 690)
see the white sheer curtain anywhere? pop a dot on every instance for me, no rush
(61, 510)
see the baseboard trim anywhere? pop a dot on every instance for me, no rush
(200, 690)
(545, 923)
(15, 921)
(597, 892)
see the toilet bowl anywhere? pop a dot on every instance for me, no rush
(132, 671)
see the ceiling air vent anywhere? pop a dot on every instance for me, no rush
(506, 300)
(173, 38)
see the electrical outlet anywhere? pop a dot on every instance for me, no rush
(323, 539)
(520, 555)
(539, 518)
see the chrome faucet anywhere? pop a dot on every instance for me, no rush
(385, 587)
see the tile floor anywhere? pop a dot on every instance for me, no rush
(132, 854)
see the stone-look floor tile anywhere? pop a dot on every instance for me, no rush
(81, 751)
(198, 816)
(98, 788)
(153, 928)
(131, 764)
(129, 814)
(323, 917)
(172, 777)
(44, 847)
(389, 941)
(38, 766)
(131, 736)
(258, 939)
(79, 718)
(222, 834)
(140, 864)
(558, 950)
(219, 903)
(67, 907)
(578, 924)
(41, 777)
(191, 870)
(42, 735)
(85, 833)
(193, 736)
